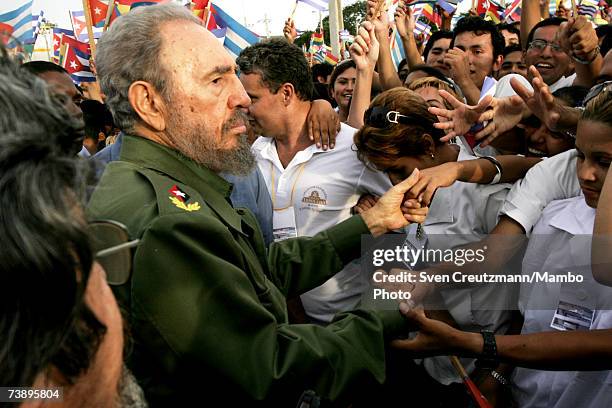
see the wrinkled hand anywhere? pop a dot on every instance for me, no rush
(404, 20)
(459, 65)
(433, 178)
(365, 202)
(289, 31)
(541, 101)
(434, 337)
(578, 37)
(393, 211)
(365, 49)
(323, 124)
(459, 120)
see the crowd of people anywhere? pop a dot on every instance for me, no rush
(195, 234)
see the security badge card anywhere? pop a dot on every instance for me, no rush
(284, 225)
(570, 317)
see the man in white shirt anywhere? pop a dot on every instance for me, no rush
(311, 189)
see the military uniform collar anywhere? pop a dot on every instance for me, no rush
(214, 190)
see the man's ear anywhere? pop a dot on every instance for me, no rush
(287, 91)
(148, 105)
(497, 63)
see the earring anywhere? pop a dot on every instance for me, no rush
(432, 156)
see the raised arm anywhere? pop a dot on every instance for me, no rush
(386, 69)
(404, 22)
(579, 39)
(364, 51)
(530, 16)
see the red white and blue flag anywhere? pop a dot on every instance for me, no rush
(79, 26)
(236, 36)
(76, 62)
(17, 14)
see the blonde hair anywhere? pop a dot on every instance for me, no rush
(433, 82)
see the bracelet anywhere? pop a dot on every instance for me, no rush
(581, 61)
(500, 378)
(498, 167)
(488, 359)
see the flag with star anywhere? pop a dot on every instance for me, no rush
(76, 62)
(79, 26)
(99, 9)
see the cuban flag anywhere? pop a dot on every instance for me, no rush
(397, 49)
(17, 14)
(80, 26)
(321, 5)
(588, 8)
(512, 12)
(58, 34)
(237, 37)
(37, 20)
(76, 62)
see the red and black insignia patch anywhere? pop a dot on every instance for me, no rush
(180, 195)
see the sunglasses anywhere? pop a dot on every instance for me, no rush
(113, 250)
(596, 90)
(381, 117)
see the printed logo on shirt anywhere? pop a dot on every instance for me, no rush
(315, 196)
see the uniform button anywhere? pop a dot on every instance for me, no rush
(581, 294)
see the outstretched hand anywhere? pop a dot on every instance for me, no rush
(460, 119)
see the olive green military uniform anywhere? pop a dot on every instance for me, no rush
(206, 300)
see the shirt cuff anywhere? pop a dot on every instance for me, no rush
(393, 322)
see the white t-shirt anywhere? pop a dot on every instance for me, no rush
(322, 187)
(552, 179)
(560, 243)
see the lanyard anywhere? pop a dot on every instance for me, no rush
(300, 171)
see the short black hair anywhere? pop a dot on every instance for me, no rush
(509, 27)
(278, 62)
(324, 69)
(572, 95)
(603, 30)
(512, 48)
(41, 67)
(95, 116)
(552, 21)
(438, 35)
(480, 26)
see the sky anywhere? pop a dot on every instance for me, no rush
(257, 15)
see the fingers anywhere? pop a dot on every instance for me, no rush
(445, 113)
(416, 215)
(484, 103)
(407, 183)
(455, 103)
(520, 90)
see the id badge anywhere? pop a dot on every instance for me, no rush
(570, 317)
(284, 225)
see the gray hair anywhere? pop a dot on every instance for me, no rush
(129, 51)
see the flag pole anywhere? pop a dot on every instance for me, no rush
(574, 9)
(292, 15)
(206, 15)
(90, 34)
(109, 14)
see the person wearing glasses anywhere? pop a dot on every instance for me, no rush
(206, 300)
(558, 47)
(564, 353)
(61, 328)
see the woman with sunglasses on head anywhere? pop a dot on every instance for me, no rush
(567, 333)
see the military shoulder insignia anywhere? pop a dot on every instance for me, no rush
(181, 198)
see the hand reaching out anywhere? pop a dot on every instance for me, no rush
(460, 119)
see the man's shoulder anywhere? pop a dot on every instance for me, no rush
(136, 196)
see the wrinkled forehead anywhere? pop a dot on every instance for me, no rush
(189, 49)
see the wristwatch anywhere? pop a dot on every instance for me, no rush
(488, 358)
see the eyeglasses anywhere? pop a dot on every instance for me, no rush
(112, 247)
(596, 90)
(540, 45)
(381, 117)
